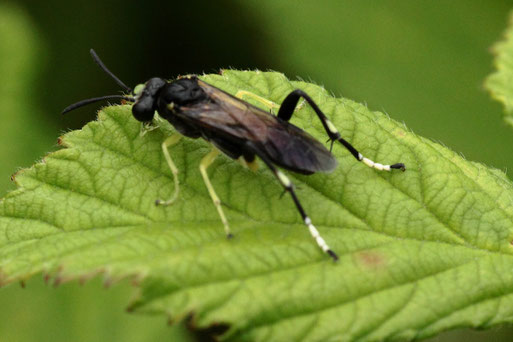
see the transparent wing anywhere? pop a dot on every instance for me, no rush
(285, 144)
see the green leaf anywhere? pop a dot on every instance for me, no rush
(421, 251)
(20, 60)
(500, 83)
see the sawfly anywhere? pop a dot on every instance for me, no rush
(238, 129)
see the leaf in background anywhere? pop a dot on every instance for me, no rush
(22, 134)
(422, 61)
(500, 83)
(421, 251)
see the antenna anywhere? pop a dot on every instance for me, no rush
(96, 99)
(104, 68)
(101, 98)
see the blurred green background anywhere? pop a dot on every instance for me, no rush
(423, 62)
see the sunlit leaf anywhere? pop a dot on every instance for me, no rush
(420, 252)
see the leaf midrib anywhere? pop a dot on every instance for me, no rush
(295, 177)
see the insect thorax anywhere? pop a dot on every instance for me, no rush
(183, 92)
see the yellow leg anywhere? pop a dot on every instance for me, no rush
(253, 166)
(205, 163)
(146, 127)
(269, 104)
(172, 140)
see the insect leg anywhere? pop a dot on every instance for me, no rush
(269, 104)
(289, 187)
(147, 127)
(172, 140)
(205, 163)
(287, 109)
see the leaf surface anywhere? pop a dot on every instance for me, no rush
(420, 252)
(500, 83)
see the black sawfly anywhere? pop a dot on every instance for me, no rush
(238, 129)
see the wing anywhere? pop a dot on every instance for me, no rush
(285, 144)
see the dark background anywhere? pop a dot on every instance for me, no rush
(423, 62)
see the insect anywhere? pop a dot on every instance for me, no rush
(239, 130)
